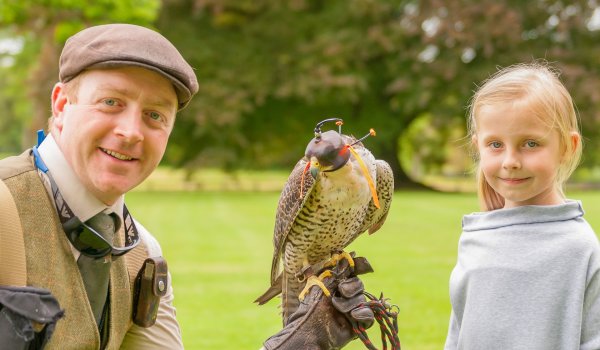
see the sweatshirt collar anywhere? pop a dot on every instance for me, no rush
(529, 214)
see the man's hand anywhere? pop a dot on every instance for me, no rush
(324, 323)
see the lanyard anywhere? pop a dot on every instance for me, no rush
(71, 222)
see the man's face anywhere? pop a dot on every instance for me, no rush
(114, 129)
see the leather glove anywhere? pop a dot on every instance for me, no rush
(28, 316)
(322, 322)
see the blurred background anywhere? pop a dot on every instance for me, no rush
(268, 72)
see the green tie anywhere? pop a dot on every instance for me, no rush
(96, 271)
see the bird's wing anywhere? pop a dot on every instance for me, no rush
(293, 195)
(375, 217)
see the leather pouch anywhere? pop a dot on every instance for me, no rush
(150, 286)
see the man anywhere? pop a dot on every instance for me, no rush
(113, 110)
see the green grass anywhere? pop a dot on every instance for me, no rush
(218, 245)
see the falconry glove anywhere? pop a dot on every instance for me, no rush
(322, 322)
(28, 316)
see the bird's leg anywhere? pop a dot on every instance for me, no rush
(312, 281)
(337, 257)
(305, 273)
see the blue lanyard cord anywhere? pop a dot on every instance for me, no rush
(39, 163)
(70, 222)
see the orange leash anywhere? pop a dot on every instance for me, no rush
(367, 176)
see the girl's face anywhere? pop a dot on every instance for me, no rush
(519, 155)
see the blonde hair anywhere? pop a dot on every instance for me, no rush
(539, 86)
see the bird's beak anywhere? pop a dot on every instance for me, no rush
(314, 171)
(314, 167)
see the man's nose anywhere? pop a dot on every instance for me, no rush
(129, 126)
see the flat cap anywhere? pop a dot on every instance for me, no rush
(115, 45)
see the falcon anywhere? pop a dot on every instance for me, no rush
(337, 191)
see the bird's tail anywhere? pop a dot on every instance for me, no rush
(272, 292)
(290, 292)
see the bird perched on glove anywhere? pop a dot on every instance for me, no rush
(337, 191)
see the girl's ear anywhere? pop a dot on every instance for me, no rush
(474, 142)
(59, 101)
(575, 141)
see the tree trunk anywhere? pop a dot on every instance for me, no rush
(401, 178)
(40, 83)
(387, 147)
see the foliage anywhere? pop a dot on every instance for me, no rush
(269, 70)
(42, 27)
(425, 148)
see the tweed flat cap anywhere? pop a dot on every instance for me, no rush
(115, 45)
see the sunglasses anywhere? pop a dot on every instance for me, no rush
(90, 242)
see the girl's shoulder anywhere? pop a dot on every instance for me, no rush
(538, 215)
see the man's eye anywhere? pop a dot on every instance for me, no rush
(155, 116)
(110, 102)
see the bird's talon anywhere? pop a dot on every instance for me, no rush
(337, 257)
(325, 274)
(315, 281)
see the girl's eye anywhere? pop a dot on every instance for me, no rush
(495, 144)
(531, 144)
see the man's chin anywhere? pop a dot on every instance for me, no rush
(109, 190)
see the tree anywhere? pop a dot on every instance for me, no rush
(42, 27)
(269, 70)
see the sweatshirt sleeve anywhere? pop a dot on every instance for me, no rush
(453, 330)
(590, 329)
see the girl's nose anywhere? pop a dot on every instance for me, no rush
(511, 160)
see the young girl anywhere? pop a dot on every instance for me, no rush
(528, 270)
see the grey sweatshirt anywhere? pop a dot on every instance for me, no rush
(526, 278)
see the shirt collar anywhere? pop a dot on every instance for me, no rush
(81, 201)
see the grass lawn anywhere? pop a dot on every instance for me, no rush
(218, 245)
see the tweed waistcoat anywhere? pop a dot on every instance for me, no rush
(51, 264)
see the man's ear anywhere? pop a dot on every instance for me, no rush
(59, 101)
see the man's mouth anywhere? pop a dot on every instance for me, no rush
(115, 154)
